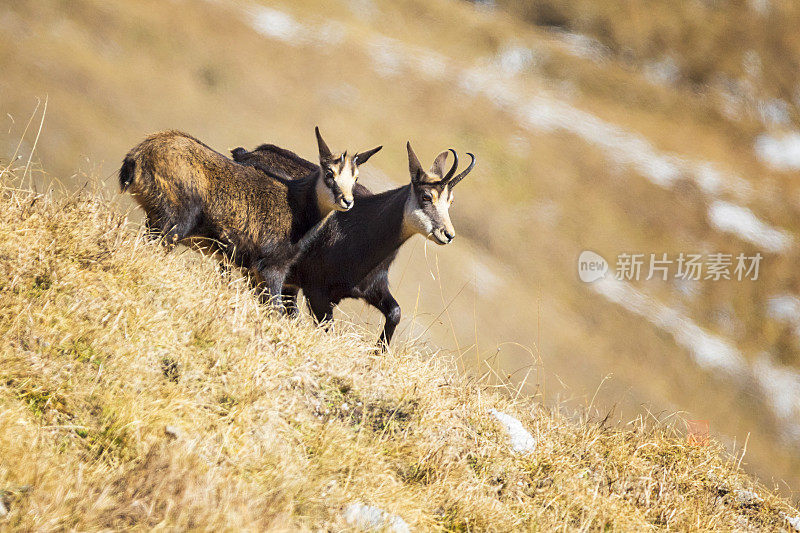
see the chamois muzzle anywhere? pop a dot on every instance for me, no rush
(443, 236)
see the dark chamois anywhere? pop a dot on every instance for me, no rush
(187, 190)
(351, 256)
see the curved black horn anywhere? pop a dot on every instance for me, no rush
(452, 170)
(463, 174)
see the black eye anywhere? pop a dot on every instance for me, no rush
(426, 197)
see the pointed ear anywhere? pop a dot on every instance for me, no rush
(361, 157)
(414, 166)
(324, 151)
(438, 167)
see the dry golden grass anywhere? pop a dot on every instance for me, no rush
(141, 388)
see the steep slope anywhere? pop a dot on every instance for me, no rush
(141, 388)
(578, 149)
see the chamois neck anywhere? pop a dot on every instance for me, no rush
(303, 198)
(379, 227)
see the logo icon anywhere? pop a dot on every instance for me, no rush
(591, 266)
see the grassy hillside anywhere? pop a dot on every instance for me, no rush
(141, 388)
(581, 144)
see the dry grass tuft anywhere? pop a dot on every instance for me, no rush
(139, 388)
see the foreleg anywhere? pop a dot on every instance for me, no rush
(386, 304)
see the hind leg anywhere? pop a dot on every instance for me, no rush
(290, 300)
(172, 229)
(270, 287)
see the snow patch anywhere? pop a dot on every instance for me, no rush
(583, 46)
(369, 518)
(762, 7)
(521, 440)
(487, 282)
(281, 26)
(665, 71)
(781, 386)
(779, 152)
(514, 59)
(385, 60)
(785, 307)
(773, 112)
(274, 24)
(740, 221)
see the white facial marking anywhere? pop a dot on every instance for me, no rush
(345, 180)
(416, 220)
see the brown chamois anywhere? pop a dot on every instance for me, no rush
(351, 256)
(187, 190)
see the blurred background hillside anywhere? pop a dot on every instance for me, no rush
(618, 127)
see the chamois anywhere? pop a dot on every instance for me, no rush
(351, 256)
(187, 190)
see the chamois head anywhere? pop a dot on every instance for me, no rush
(427, 209)
(339, 175)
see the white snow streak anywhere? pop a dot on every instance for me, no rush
(740, 221)
(709, 351)
(780, 153)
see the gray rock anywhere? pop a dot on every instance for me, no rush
(369, 518)
(173, 432)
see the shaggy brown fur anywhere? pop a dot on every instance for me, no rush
(189, 190)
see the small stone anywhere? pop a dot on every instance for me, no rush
(793, 521)
(521, 440)
(345, 407)
(747, 497)
(173, 432)
(369, 518)
(3, 508)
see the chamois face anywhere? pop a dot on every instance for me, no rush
(427, 209)
(427, 212)
(339, 174)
